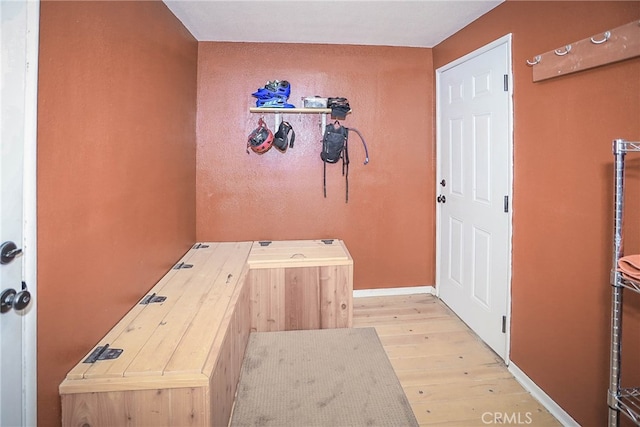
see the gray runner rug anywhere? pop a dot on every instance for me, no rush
(327, 377)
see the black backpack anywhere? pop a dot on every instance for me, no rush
(334, 143)
(335, 147)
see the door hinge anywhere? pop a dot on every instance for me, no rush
(506, 204)
(153, 298)
(504, 324)
(506, 83)
(182, 265)
(103, 353)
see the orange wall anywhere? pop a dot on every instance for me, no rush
(116, 171)
(563, 192)
(388, 223)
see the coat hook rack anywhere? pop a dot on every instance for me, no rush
(604, 48)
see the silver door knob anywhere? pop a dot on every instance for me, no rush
(10, 298)
(8, 251)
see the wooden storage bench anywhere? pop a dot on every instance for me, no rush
(180, 350)
(180, 358)
(300, 284)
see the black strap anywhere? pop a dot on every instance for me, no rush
(324, 164)
(293, 137)
(288, 129)
(324, 179)
(345, 166)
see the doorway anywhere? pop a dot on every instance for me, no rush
(19, 40)
(474, 190)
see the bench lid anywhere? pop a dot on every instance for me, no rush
(298, 253)
(169, 342)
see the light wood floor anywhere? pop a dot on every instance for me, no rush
(450, 377)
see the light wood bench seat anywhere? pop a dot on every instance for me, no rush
(179, 358)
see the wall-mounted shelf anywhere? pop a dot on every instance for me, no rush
(290, 110)
(278, 112)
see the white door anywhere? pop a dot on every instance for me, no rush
(474, 190)
(19, 42)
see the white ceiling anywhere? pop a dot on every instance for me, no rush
(417, 23)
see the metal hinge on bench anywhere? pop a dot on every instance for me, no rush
(153, 298)
(182, 265)
(103, 352)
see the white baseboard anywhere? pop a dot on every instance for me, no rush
(394, 291)
(546, 401)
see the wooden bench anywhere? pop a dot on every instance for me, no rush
(300, 284)
(175, 358)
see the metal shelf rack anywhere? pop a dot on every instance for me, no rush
(620, 400)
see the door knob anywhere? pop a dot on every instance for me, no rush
(441, 199)
(10, 298)
(8, 251)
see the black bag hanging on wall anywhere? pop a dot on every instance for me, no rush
(335, 147)
(281, 139)
(339, 107)
(334, 142)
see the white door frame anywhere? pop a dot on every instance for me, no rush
(30, 211)
(502, 40)
(29, 224)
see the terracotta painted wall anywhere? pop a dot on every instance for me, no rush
(563, 193)
(388, 223)
(116, 171)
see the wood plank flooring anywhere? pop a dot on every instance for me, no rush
(449, 375)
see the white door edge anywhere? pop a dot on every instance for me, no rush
(506, 39)
(29, 216)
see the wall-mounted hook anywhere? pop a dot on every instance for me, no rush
(535, 61)
(559, 52)
(607, 36)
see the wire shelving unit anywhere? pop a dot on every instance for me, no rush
(620, 400)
